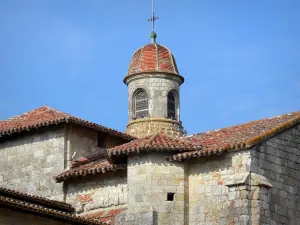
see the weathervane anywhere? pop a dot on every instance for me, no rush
(152, 19)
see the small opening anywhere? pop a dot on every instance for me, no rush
(170, 197)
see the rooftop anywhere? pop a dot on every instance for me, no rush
(240, 136)
(156, 142)
(46, 116)
(90, 165)
(39, 206)
(153, 58)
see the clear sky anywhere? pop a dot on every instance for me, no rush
(240, 58)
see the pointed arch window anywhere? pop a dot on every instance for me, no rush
(140, 101)
(171, 105)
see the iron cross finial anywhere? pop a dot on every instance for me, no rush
(152, 19)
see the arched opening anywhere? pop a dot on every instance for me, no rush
(171, 107)
(140, 104)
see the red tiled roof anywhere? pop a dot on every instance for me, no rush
(156, 142)
(107, 216)
(90, 166)
(37, 200)
(41, 206)
(45, 116)
(238, 137)
(153, 58)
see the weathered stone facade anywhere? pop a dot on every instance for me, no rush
(105, 191)
(210, 200)
(278, 159)
(150, 180)
(148, 126)
(250, 186)
(29, 161)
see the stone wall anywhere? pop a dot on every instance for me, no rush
(278, 159)
(97, 191)
(150, 179)
(148, 126)
(10, 217)
(29, 161)
(210, 200)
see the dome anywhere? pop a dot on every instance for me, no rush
(153, 58)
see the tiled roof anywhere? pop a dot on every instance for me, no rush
(40, 206)
(107, 216)
(46, 116)
(153, 58)
(89, 166)
(156, 142)
(238, 137)
(37, 200)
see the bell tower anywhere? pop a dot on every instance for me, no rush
(153, 84)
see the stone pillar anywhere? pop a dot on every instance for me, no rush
(157, 190)
(247, 199)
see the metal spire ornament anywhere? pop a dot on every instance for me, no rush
(152, 20)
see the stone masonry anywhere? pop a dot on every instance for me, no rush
(148, 126)
(157, 87)
(28, 162)
(210, 200)
(151, 179)
(97, 192)
(278, 159)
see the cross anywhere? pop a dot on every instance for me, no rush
(153, 18)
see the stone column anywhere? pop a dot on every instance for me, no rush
(156, 191)
(247, 195)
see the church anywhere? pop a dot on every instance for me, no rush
(56, 168)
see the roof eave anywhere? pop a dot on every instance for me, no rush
(151, 73)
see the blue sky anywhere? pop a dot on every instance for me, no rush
(240, 58)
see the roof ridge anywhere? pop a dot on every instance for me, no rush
(241, 136)
(40, 209)
(248, 122)
(253, 141)
(25, 113)
(157, 142)
(36, 199)
(46, 116)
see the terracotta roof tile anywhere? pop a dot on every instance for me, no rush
(41, 206)
(37, 200)
(153, 58)
(156, 142)
(90, 166)
(46, 116)
(106, 216)
(238, 137)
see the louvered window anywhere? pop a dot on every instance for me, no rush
(171, 106)
(141, 104)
